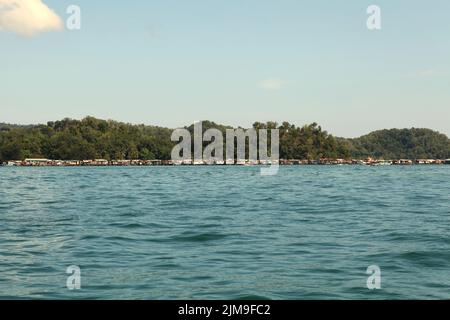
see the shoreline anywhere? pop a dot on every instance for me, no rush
(281, 162)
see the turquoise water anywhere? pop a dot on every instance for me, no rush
(225, 232)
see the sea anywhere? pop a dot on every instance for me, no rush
(225, 232)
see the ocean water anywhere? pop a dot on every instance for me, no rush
(309, 232)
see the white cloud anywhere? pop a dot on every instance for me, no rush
(431, 73)
(28, 17)
(427, 73)
(272, 84)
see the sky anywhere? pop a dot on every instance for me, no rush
(174, 62)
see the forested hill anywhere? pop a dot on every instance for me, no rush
(401, 143)
(93, 138)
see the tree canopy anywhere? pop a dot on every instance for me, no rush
(401, 143)
(92, 138)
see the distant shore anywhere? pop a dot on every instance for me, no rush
(283, 162)
(92, 138)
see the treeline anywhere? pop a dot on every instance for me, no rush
(93, 138)
(89, 138)
(401, 143)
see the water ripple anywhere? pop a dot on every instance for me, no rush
(225, 232)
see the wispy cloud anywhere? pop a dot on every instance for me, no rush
(28, 17)
(272, 84)
(430, 73)
(427, 73)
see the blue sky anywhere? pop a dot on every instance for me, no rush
(171, 63)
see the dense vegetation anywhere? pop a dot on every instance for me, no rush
(92, 138)
(401, 143)
(89, 138)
